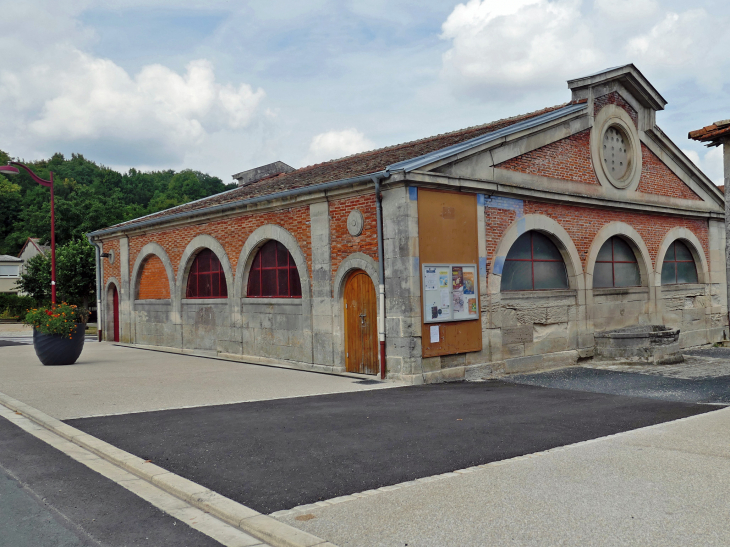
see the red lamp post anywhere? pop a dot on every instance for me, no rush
(10, 170)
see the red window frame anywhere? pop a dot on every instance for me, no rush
(267, 281)
(674, 261)
(532, 261)
(613, 261)
(206, 275)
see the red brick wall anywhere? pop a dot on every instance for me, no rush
(153, 283)
(618, 100)
(231, 233)
(343, 244)
(570, 159)
(583, 223)
(656, 178)
(111, 270)
(567, 159)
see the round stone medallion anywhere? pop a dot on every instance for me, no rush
(355, 222)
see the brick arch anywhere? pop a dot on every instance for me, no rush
(557, 235)
(153, 255)
(635, 241)
(254, 242)
(695, 247)
(199, 243)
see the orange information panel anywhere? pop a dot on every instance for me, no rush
(449, 254)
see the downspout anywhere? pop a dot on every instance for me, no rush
(381, 273)
(99, 321)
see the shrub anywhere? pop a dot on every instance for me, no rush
(60, 319)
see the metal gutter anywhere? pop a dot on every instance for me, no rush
(236, 204)
(381, 275)
(99, 274)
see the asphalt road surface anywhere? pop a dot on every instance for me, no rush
(274, 455)
(50, 500)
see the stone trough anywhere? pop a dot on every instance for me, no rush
(641, 345)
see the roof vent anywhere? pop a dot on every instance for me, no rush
(265, 171)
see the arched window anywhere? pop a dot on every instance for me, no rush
(534, 263)
(274, 273)
(206, 278)
(616, 265)
(679, 265)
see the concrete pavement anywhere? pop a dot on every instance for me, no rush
(664, 485)
(109, 379)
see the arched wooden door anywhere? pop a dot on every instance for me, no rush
(361, 324)
(115, 313)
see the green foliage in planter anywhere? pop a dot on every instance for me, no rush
(60, 319)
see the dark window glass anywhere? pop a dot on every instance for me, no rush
(273, 273)
(534, 263)
(616, 265)
(679, 265)
(206, 278)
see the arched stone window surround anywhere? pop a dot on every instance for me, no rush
(108, 307)
(351, 263)
(635, 241)
(254, 242)
(557, 235)
(144, 253)
(695, 247)
(198, 243)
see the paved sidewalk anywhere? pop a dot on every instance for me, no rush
(109, 379)
(665, 485)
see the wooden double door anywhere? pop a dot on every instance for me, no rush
(361, 324)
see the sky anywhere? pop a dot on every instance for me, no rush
(223, 86)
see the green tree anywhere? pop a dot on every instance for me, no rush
(36, 281)
(75, 274)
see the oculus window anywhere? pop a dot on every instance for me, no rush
(206, 278)
(534, 263)
(679, 265)
(616, 265)
(274, 273)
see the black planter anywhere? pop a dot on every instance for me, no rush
(54, 349)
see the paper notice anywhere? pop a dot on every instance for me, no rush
(458, 301)
(444, 278)
(468, 282)
(434, 334)
(430, 279)
(457, 277)
(445, 298)
(472, 306)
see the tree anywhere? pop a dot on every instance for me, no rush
(75, 274)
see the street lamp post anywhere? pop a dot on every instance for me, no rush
(10, 170)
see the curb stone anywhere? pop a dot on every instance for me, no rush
(263, 527)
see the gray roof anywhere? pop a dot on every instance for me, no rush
(8, 258)
(431, 157)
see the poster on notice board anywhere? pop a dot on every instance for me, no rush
(449, 292)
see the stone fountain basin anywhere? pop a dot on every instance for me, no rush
(640, 344)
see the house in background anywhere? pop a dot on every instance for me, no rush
(490, 250)
(9, 273)
(31, 248)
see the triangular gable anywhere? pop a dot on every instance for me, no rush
(657, 178)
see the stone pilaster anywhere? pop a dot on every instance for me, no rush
(322, 317)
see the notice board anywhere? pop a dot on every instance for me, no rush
(447, 235)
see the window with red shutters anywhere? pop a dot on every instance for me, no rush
(206, 278)
(273, 273)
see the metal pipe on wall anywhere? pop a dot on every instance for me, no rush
(381, 273)
(99, 322)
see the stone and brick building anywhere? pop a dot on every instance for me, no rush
(494, 249)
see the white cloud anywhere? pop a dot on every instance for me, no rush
(626, 10)
(336, 144)
(711, 163)
(504, 46)
(508, 49)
